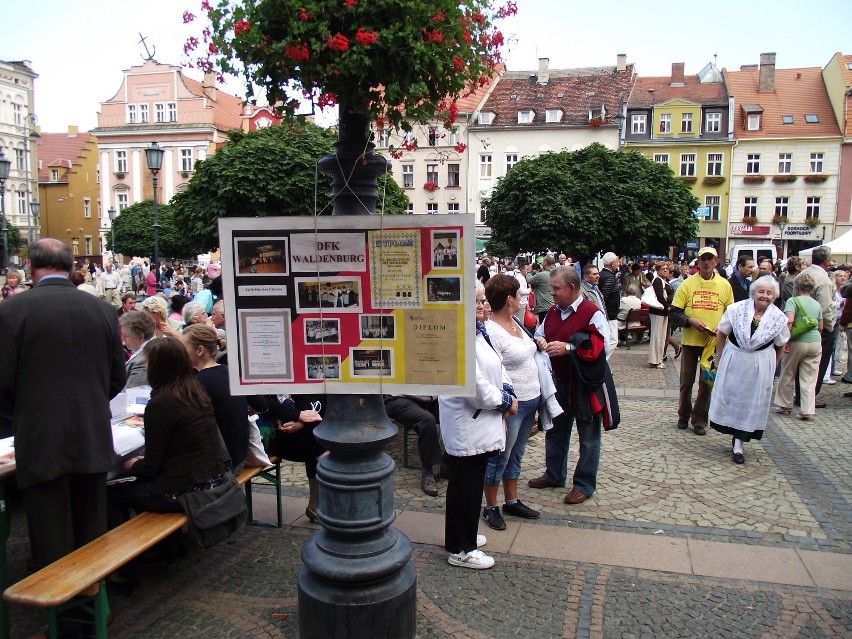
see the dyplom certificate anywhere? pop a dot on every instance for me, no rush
(350, 304)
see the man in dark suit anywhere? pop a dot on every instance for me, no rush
(61, 363)
(740, 281)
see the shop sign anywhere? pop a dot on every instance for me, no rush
(797, 232)
(748, 229)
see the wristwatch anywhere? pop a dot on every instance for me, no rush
(568, 347)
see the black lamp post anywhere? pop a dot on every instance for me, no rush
(154, 158)
(5, 165)
(111, 213)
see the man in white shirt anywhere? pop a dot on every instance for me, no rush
(109, 283)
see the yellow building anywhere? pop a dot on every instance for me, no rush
(68, 189)
(683, 122)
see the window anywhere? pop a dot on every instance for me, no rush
(714, 164)
(186, 160)
(143, 113)
(553, 115)
(432, 173)
(22, 202)
(453, 137)
(433, 136)
(637, 123)
(88, 243)
(483, 214)
(408, 176)
(18, 114)
(816, 162)
(54, 175)
(511, 160)
(714, 203)
(782, 206)
(87, 207)
(453, 208)
(713, 123)
(121, 200)
(121, 161)
(785, 163)
(750, 207)
(171, 107)
(753, 164)
(666, 123)
(20, 162)
(432, 208)
(485, 166)
(753, 122)
(409, 208)
(453, 175)
(159, 112)
(98, 176)
(811, 118)
(787, 119)
(687, 164)
(384, 138)
(131, 114)
(525, 117)
(686, 123)
(661, 158)
(485, 117)
(812, 208)
(100, 210)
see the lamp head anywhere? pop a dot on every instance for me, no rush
(154, 157)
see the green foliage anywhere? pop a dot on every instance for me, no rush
(134, 235)
(13, 238)
(591, 200)
(268, 172)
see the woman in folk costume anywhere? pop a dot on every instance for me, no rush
(746, 364)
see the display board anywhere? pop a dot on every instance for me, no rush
(349, 304)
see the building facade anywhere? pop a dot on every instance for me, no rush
(837, 76)
(17, 139)
(156, 102)
(69, 191)
(786, 160)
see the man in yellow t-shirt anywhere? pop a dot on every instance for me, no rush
(698, 305)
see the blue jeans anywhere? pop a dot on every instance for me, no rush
(557, 441)
(508, 464)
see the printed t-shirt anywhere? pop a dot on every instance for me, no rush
(705, 300)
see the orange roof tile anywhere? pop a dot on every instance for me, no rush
(59, 150)
(649, 91)
(845, 61)
(227, 108)
(797, 92)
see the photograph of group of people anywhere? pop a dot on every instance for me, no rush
(445, 249)
(261, 256)
(372, 362)
(378, 327)
(340, 293)
(322, 366)
(324, 331)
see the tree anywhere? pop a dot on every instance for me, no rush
(13, 239)
(133, 230)
(591, 200)
(267, 172)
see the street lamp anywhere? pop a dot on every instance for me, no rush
(35, 207)
(5, 165)
(111, 213)
(781, 225)
(154, 158)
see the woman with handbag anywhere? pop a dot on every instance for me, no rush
(659, 315)
(749, 339)
(802, 352)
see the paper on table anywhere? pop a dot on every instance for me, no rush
(126, 439)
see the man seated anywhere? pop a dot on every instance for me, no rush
(628, 302)
(420, 413)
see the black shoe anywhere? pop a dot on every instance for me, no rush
(429, 486)
(519, 509)
(492, 517)
(739, 458)
(843, 380)
(683, 424)
(699, 430)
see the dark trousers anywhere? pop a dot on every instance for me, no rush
(297, 446)
(558, 439)
(136, 496)
(828, 338)
(465, 481)
(688, 369)
(423, 418)
(64, 514)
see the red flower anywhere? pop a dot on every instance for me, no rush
(297, 52)
(326, 99)
(338, 42)
(206, 6)
(439, 17)
(380, 123)
(478, 18)
(303, 15)
(458, 64)
(365, 38)
(188, 17)
(460, 147)
(349, 3)
(433, 36)
(466, 36)
(191, 45)
(211, 47)
(241, 27)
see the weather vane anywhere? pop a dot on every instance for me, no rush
(151, 54)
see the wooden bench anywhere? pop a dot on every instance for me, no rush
(636, 315)
(65, 583)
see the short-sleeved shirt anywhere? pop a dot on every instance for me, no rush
(704, 300)
(812, 308)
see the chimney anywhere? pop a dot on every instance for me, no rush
(767, 73)
(209, 84)
(72, 131)
(677, 74)
(543, 71)
(621, 62)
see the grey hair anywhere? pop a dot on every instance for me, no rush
(609, 258)
(190, 310)
(820, 255)
(480, 289)
(766, 281)
(567, 274)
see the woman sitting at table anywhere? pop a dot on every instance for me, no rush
(159, 311)
(137, 329)
(183, 448)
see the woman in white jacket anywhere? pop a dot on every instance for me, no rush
(472, 430)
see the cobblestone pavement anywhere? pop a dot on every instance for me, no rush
(792, 493)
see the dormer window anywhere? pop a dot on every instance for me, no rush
(553, 115)
(753, 122)
(486, 117)
(525, 117)
(54, 175)
(599, 113)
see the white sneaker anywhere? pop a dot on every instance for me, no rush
(481, 541)
(829, 381)
(475, 559)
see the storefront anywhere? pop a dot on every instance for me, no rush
(789, 238)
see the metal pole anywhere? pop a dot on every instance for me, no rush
(5, 231)
(156, 233)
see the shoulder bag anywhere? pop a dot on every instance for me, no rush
(215, 514)
(649, 297)
(804, 323)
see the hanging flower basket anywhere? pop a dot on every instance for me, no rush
(750, 220)
(812, 221)
(754, 179)
(815, 178)
(596, 122)
(713, 180)
(779, 219)
(430, 186)
(784, 179)
(688, 179)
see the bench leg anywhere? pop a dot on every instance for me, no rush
(97, 606)
(405, 447)
(275, 479)
(249, 509)
(278, 494)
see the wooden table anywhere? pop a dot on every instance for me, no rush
(6, 471)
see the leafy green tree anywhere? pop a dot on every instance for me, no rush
(134, 234)
(13, 238)
(591, 200)
(268, 172)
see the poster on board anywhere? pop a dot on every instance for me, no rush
(360, 304)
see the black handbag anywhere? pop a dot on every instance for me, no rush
(215, 514)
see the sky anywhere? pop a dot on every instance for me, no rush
(79, 49)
